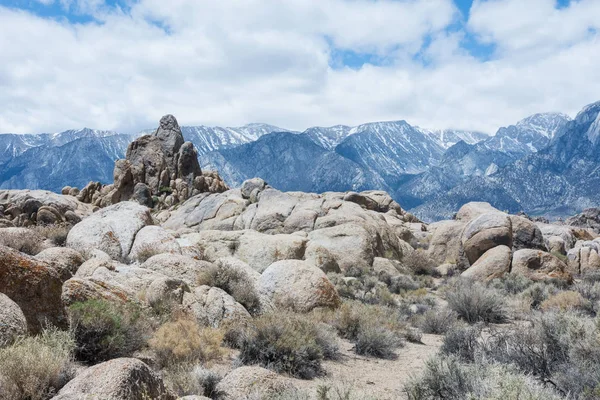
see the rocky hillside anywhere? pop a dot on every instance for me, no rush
(166, 284)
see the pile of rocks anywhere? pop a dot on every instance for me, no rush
(29, 207)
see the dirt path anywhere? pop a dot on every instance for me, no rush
(375, 378)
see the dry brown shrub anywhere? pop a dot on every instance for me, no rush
(563, 301)
(183, 341)
(35, 368)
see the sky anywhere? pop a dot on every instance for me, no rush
(461, 64)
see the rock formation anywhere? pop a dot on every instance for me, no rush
(158, 170)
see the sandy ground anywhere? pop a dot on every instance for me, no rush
(375, 378)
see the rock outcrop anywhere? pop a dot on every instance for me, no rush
(30, 207)
(159, 170)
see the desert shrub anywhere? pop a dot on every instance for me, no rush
(35, 368)
(438, 322)
(288, 343)
(538, 349)
(104, 330)
(30, 245)
(376, 341)
(56, 233)
(380, 295)
(591, 276)
(567, 300)
(448, 377)
(462, 341)
(591, 292)
(187, 380)
(415, 302)
(375, 330)
(326, 391)
(511, 283)
(443, 378)
(419, 263)
(403, 283)
(183, 341)
(234, 282)
(538, 293)
(473, 302)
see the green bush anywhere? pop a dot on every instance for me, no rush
(104, 330)
(35, 368)
(288, 343)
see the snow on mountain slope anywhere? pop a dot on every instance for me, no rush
(562, 178)
(75, 164)
(328, 137)
(390, 149)
(528, 135)
(12, 145)
(449, 137)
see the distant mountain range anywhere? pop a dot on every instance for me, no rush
(543, 164)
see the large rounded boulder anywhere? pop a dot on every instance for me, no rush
(34, 285)
(526, 234)
(252, 382)
(485, 232)
(112, 229)
(213, 306)
(494, 263)
(118, 379)
(298, 285)
(538, 265)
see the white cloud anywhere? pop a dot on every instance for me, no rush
(228, 62)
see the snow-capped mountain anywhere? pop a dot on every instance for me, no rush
(562, 178)
(207, 139)
(449, 137)
(290, 162)
(12, 145)
(75, 163)
(528, 135)
(390, 149)
(329, 137)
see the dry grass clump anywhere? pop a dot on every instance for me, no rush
(288, 343)
(35, 368)
(563, 301)
(235, 282)
(473, 302)
(183, 341)
(104, 330)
